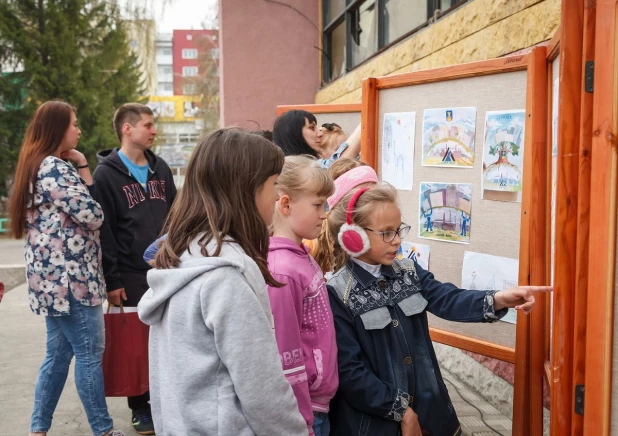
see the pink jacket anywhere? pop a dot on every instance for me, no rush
(303, 326)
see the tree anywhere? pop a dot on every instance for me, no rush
(74, 50)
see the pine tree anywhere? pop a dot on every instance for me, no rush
(74, 50)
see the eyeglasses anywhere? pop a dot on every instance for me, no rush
(389, 235)
(331, 126)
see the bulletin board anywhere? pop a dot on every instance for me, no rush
(348, 116)
(496, 226)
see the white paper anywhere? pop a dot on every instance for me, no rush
(418, 252)
(484, 272)
(398, 149)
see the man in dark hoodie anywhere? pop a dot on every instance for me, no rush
(135, 188)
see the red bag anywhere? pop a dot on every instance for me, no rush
(125, 361)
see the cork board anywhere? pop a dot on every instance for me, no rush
(495, 224)
(347, 120)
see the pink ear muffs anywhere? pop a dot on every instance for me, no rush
(352, 238)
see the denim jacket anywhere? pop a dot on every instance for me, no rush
(386, 359)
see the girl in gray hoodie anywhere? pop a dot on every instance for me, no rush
(214, 364)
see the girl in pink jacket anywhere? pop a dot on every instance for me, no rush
(304, 326)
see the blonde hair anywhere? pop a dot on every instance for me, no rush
(364, 207)
(332, 139)
(302, 175)
(322, 250)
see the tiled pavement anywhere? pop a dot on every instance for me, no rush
(470, 416)
(22, 339)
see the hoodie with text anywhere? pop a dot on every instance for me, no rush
(304, 326)
(214, 366)
(134, 217)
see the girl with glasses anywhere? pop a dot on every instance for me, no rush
(389, 379)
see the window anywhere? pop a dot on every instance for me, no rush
(214, 53)
(164, 51)
(189, 53)
(189, 89)
(168, 87)
(355, 30)
(189, 71)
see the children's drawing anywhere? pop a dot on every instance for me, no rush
(448, 137)
(398, 149)
(417, 252)
(445, 212)
(484, 272)
(503, 152)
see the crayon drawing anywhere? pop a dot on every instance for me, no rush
(483, 272)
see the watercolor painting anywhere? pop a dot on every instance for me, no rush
(503, 152)
(417, 252)
(398, 149)
(445, 212)
(448, 137)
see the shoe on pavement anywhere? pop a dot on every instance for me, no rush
(142, 422)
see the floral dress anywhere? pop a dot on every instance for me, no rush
(63, 251)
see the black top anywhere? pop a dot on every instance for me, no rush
(134, 218)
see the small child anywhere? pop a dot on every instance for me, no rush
(390, 381)
(303, 320)
(355, 177)
(214, 365)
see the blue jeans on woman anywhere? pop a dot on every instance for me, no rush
(80, 334)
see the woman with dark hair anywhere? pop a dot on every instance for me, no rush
(52, 206)
(296, 132)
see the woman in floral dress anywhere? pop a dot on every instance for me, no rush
(51, 205)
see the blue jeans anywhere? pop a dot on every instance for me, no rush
(321, 425)
(80, 334)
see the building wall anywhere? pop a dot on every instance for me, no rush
(165, 62)
(189, 39)
(142, 35)
(479, 30)
(268, 57)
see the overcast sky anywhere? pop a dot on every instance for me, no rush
(179, 14)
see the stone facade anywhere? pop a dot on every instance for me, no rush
(479, 30)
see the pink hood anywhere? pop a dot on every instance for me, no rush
(303, 326)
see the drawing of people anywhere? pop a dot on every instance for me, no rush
(428, 224)
(464, 223)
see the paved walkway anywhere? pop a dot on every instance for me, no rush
(22, 347)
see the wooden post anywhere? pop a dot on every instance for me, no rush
(369, 123)
(566, 216)
(583, 216)
(601, 272)
(529, 349)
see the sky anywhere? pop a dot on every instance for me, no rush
(178, 14)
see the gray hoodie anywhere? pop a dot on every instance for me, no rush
(214, 364)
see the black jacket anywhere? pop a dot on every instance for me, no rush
(134, 218)
(386, 359)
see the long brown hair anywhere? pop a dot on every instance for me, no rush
(217, 199)
(43, 137)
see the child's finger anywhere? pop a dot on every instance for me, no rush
(536, 289)
(528, 305)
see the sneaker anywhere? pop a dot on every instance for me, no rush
(142, 422)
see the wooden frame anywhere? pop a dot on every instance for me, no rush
(529, 359)
(320, 108)
(602, 265)
(567, 218)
